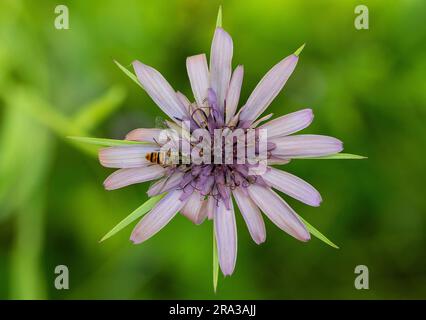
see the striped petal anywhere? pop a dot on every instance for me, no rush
(124, 177)
(305, 146)
(198, 73)
(190, 108)
(292, 186)
(278, 211)
(233, 94)
(125, 156)
(210, 207)
(165, 184)
(275, 161)
(268, 88)
(183, 99)
(207, 208)
(192, 208)
(262, 119)
(159, 90)
(220, 65)
(226, 237)
(288, 124)
(158, 217)
(251, 215)
(144, 135)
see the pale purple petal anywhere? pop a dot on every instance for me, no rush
(198, 73)
(190, 107)
(251, 215)
(210, 207)
(183, 99)
(305, 146)
(125, 177)
(268, 88)
(192, 208)
(204, 212)
(293, 186)
(288, 124)
(165, 184)
(262, 119)
(158, 217)
(159, 90)
(226, 237)
(220, 65)
(278, 211)
(233, 94)
(144, 135)
(126, 156)
(275, 161)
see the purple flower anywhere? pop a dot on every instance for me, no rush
(205, 190)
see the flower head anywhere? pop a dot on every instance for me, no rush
(213, 152)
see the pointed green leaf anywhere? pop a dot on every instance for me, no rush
(219, 18)
(299, 51)
(215, 264)
(139, 212)
(128, 73)
(318, 234)
(340, 156)
(106, 142)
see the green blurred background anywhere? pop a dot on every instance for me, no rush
(366, 87)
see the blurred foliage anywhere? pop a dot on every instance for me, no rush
(366, 87)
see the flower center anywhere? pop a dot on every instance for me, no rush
(216, 158)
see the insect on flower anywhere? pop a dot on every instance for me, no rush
(212, 152)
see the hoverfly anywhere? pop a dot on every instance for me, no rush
(166, 158)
